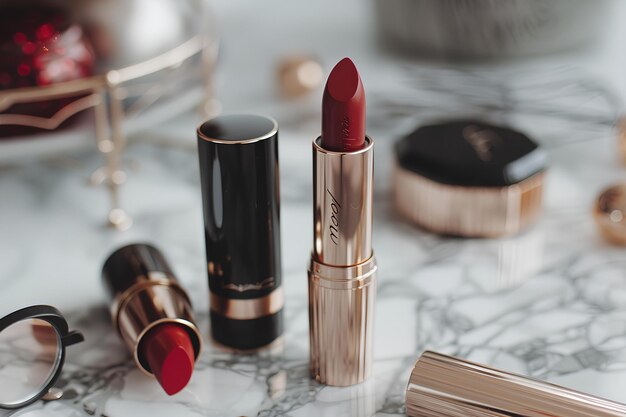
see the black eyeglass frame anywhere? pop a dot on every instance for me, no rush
(54, 317)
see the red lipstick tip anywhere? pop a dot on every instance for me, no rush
(170, 355)
(343, 109)
(343, 81)
(176, 371)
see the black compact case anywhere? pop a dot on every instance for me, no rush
(470, 154)
(469, 178)
(240, 196)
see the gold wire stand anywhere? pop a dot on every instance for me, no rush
(104, 94)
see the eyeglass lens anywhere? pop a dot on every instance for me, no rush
(30, 352)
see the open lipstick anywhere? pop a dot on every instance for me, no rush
(152, 314)
(342, 270)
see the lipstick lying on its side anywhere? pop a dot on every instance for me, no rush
(152, 314)
(342, 270)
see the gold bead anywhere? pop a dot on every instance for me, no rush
(610, 214)
(298, 75)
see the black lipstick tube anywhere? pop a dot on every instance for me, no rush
(240, 196)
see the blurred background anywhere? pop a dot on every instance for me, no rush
(99, 102)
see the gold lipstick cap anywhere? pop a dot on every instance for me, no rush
(469, 178)
(445, 386)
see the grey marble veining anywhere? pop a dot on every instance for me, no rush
(549, 303)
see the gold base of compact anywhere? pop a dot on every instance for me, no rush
(342, 271)
(469, 179)
(467, 211)
(445, 386)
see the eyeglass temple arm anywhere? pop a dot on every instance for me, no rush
(72, 338)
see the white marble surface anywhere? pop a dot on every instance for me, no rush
(550, 303)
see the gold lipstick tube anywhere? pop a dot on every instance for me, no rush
(342, 272)
(445, 386)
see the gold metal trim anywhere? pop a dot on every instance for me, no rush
(341, 322)
(343, 278)
(445, 386)
(267, 135)
(54, 121)
(467, 211)
(174, 56)
(196, 341)
(342, 271)
(248, 309)
(143, 282)
(148, 303)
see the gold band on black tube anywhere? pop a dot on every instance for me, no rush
(248, 309)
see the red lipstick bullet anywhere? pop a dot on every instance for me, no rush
(343, 109)
(169, 352)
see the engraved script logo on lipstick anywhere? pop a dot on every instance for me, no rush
(333, 229)
(345, 127)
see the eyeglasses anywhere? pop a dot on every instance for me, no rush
(32, 353)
